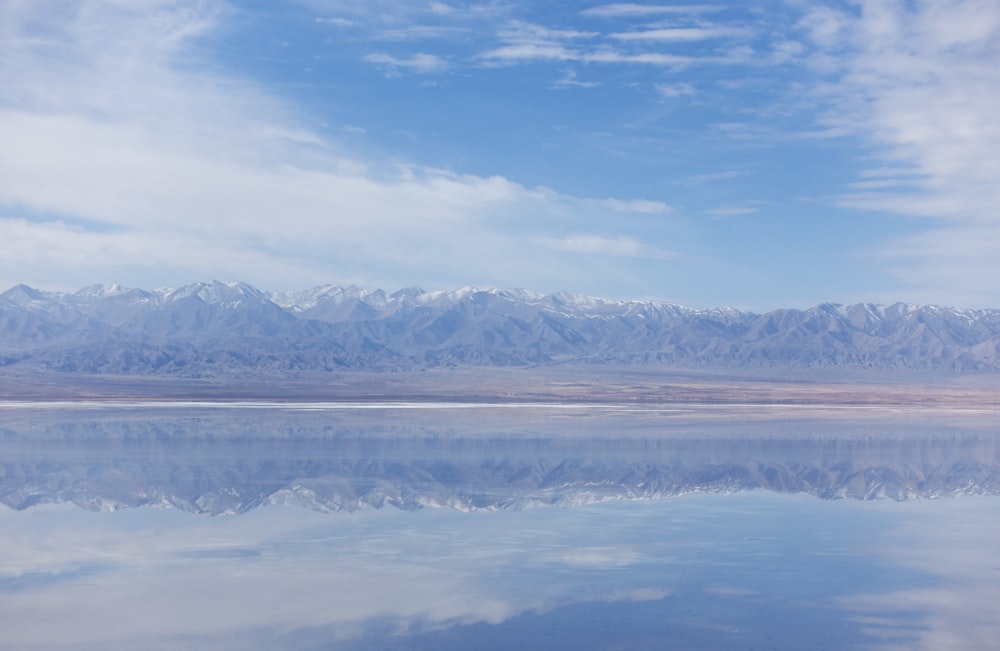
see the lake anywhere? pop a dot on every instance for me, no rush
(313, 526)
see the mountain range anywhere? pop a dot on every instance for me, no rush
(221, 329)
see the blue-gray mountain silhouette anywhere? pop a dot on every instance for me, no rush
(217, 328)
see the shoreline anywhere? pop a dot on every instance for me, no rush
(519, 386)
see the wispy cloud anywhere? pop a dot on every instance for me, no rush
(420, 63)
(530, 51)
(647, 58)
(522, 42)
(126, 130)
(334, 20)
(696, 179)
(921, 85)
(554, 52)
(619, 10)
(675, 90)
(570, 80)
(423, 33)
(674, 34)
(637, 206)
(122, 160)
(590, 244)
(520, 31)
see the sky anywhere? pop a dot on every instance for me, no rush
(779, 153)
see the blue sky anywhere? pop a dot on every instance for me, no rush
(754, 154)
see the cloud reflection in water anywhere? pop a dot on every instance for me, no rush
(722, 564)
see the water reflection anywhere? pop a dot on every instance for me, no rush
(741, 555)
(219, 462)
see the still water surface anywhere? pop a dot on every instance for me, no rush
(267, 526)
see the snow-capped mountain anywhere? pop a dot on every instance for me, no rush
(219, 328)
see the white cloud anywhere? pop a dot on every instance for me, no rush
(123, 138)
(641, 206)
(555, 52)
(783, 51)
(677, 34)
(711, 177)
(339, 22)
(522, 41)
(920, 83)
(518, 31)
(123, 163)
(441, 8)
(620, 246)
(420, 32)
(675, 90)
(619, 10)
(420, 63)
(526, 41)
(824, 25)
(648, 58)
(530, 51)
(569, 80)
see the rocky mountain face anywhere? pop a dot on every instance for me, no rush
(219, 329)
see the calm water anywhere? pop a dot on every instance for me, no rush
(259, 526)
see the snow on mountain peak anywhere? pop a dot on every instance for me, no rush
(228, 293)
(101, 291)
(331, 327)
(30, 297)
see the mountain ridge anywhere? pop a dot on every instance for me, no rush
(222, 328)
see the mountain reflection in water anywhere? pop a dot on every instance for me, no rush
(680, 528)
(226, 461)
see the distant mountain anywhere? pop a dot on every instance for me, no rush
(219, 329)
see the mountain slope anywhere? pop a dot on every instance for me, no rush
(219, 329)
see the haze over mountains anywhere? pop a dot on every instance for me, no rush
(219, 329)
